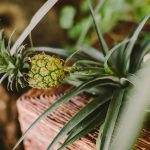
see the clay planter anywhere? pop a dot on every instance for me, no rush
(34, 102)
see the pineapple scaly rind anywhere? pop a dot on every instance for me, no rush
(45, 71)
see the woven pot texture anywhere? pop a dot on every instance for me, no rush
(34, 102)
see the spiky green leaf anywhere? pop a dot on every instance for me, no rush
(106, 80)
(129, 47)
(82, 114)
(133, 113)
(99, 34)
(110, 121)
(86, 127)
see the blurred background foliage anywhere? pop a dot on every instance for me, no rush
(69, 23)
(78, 24)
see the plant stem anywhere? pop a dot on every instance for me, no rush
(34, 21)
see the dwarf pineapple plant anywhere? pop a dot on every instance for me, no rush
(109, 78)
(111, 81)
(27, 68)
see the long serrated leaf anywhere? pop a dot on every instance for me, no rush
(110, 120)
(63, 99)
(92, 52)
(138, 56)
(99, 34)
(34, 21)
(144, 51)
(52, 50)
(93, 91)
(101, 81)
(133, 113)
(66, 98)
(87, 121)
(96, 121)
(89, 23)
(130, 45)
(107, 67)
(87, 110)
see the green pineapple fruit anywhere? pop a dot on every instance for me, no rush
(45, 71)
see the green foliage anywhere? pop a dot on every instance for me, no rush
(67, 17)
(107, 13)
(115, 79)
(134, 112)
(110, 120)
(13, 66)
(99, 34)
(109, 78)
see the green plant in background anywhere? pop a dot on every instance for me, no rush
(115, 79)
(108, 13)
(67, 17)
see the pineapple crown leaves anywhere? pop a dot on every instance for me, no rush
(112, 84)
(13, 66)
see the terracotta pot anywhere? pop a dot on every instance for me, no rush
(34, 102)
